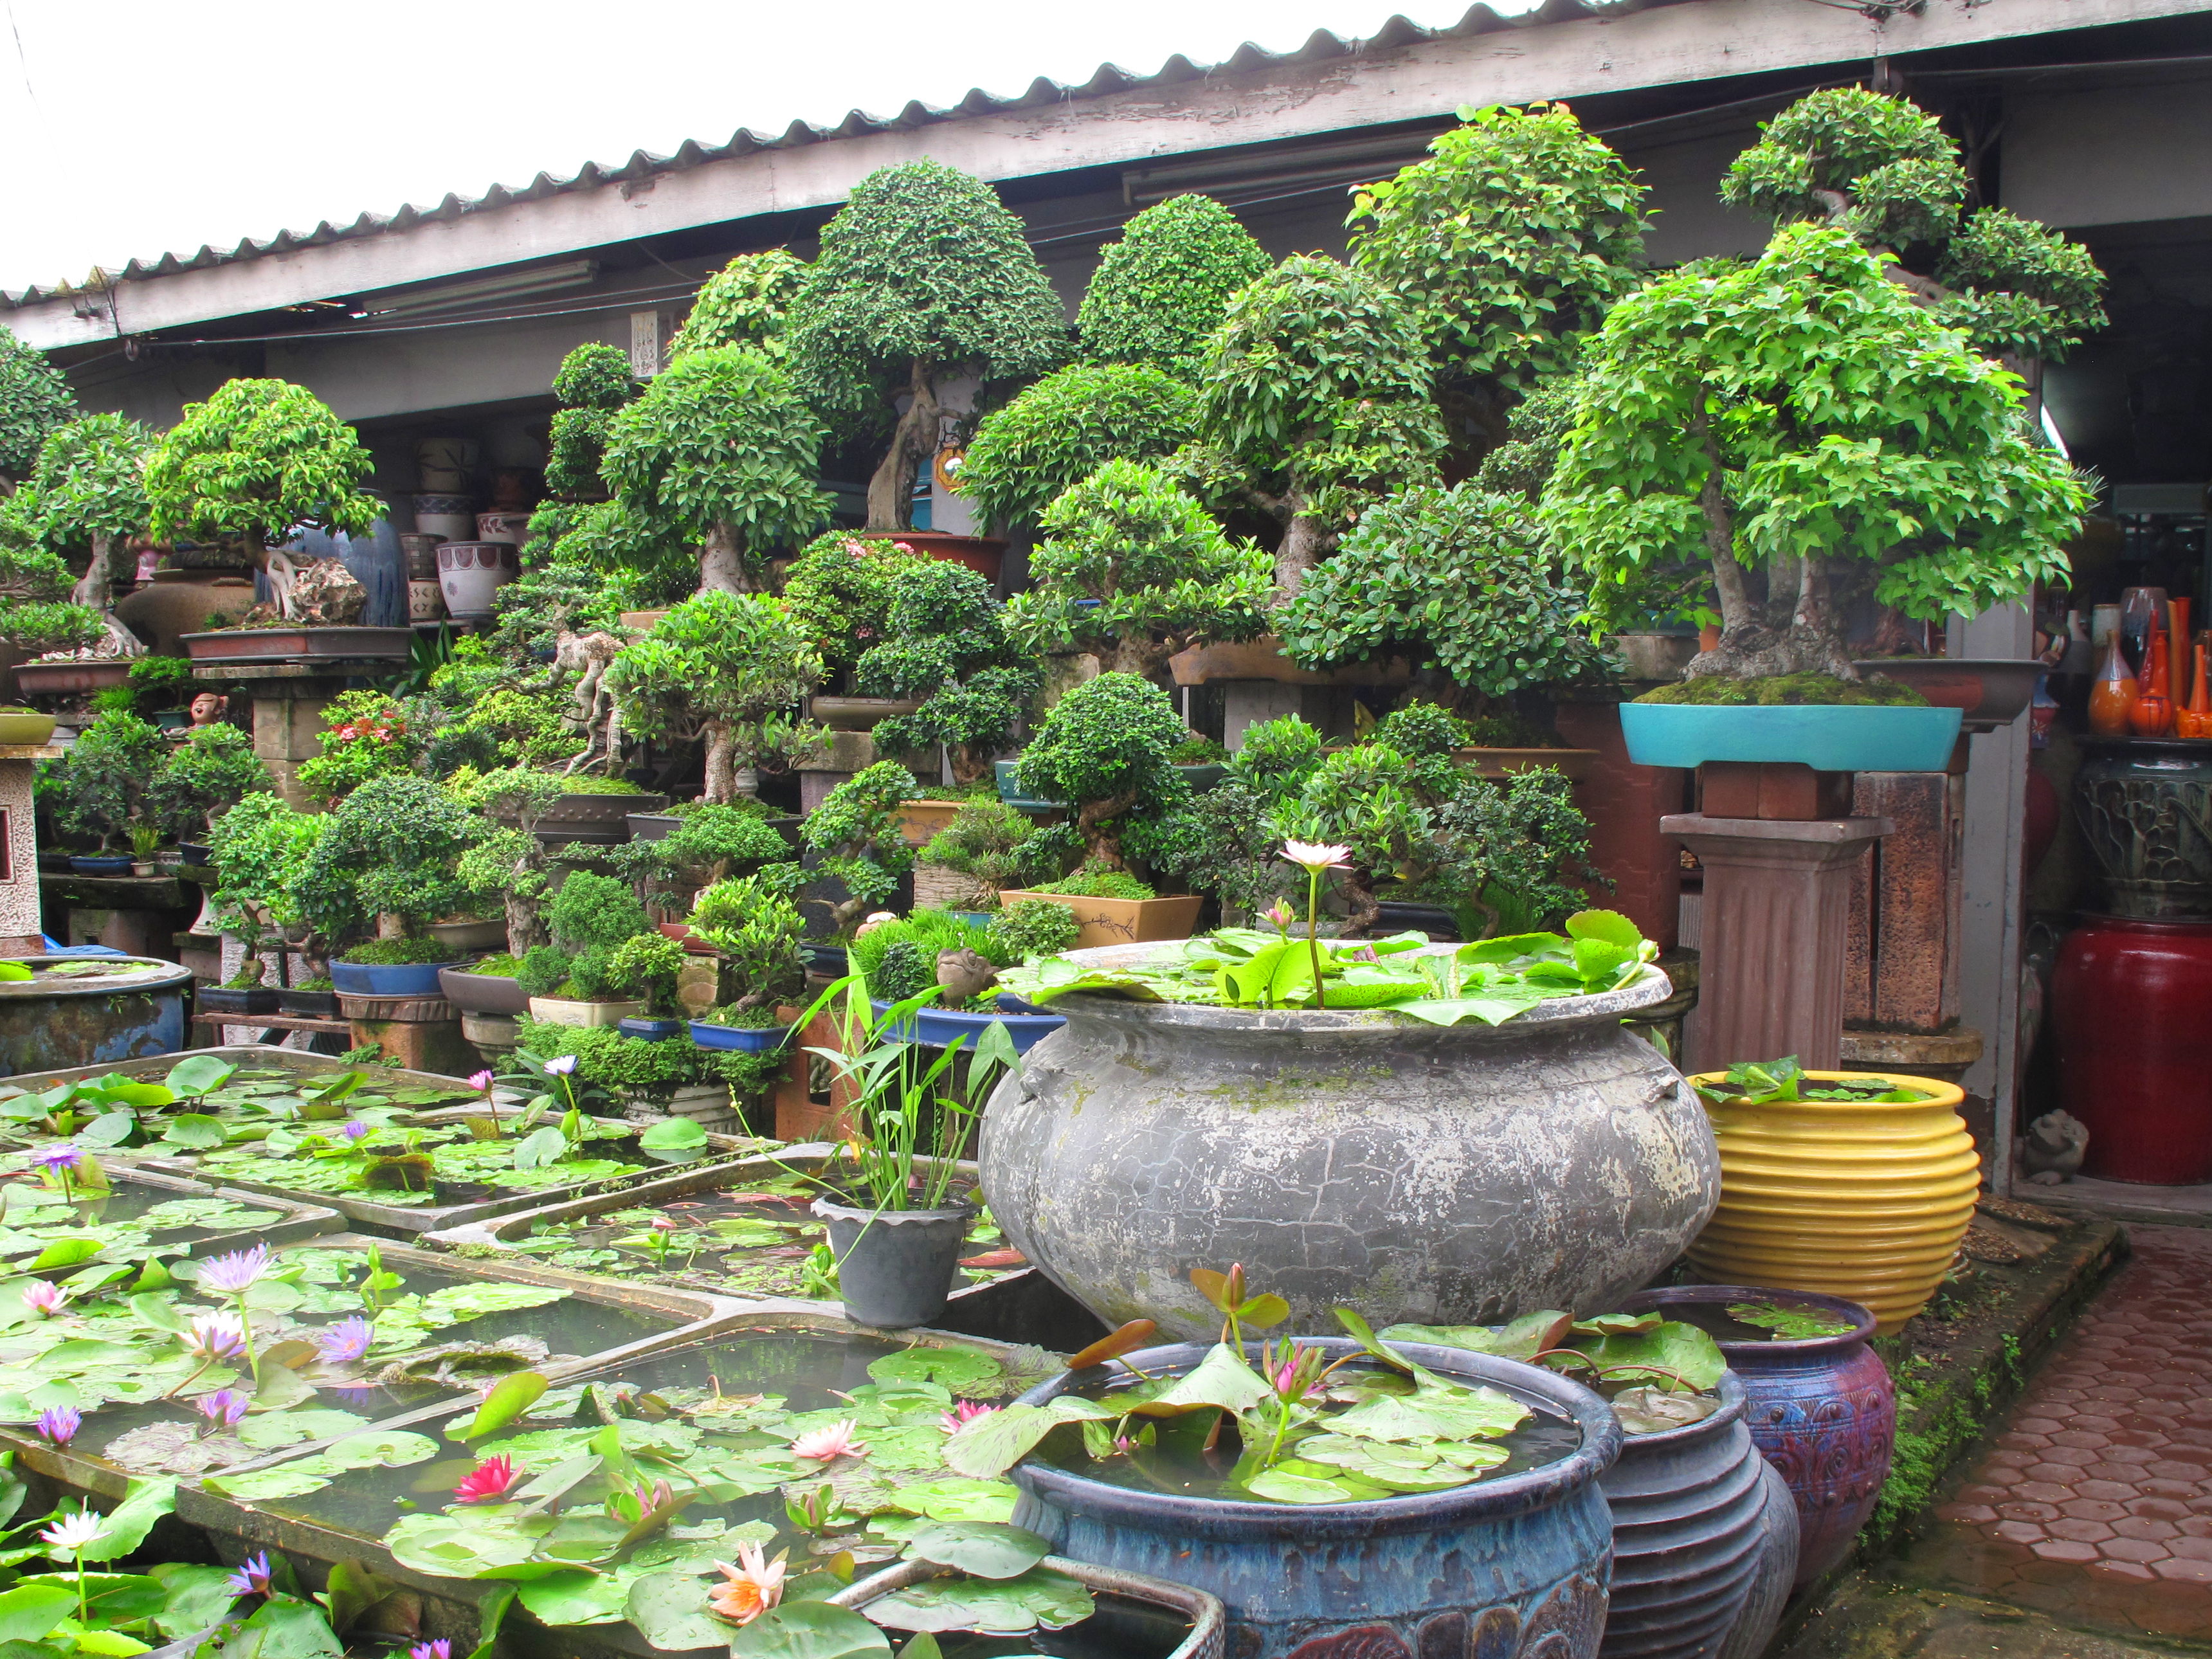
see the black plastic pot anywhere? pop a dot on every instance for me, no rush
(314, 1005)
(895, 1267)
(220, 999)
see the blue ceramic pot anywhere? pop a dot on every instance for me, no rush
(1821, 1408)
(407, 979)
(1011, 793)
(99, 866)
(1503, 1568)
(650, 1031)
(749, 1039)
(940, 1028)
(1690, 1535)
(1829, 737)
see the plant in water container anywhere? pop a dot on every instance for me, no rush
(898, 1216)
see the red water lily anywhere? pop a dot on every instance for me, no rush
(489, 1482)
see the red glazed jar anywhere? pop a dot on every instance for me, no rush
(2131, 1004)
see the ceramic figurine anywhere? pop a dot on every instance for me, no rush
(2052, 1151)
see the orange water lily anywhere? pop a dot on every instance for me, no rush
(751, 1588)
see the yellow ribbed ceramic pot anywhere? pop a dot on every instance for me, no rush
(1863, 1200)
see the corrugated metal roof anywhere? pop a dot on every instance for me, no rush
(1320, 47)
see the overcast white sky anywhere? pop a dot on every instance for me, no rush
(136, 127)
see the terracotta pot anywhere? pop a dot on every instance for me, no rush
(179, 601)
(1862, 1200)
(38, 680)
(2128, 1007)
(471, 572)
(1263, 659)
(982, 554)
(920, 820)
(1120, 922)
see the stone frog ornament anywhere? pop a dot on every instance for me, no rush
(2051, 1151)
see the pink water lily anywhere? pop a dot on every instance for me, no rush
(963, 1414)
(751, 1588)
(1315, 856)
(489, 1482)
(826, 1445)
(45, 1298)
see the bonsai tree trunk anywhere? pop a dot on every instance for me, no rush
(1305, 542)
(1142, 656)
(971, 764)
(721, 784)
(1104, 846)
(524, 929)
(1362, 908)
(722, 561)
(96, 588)
(890, 498)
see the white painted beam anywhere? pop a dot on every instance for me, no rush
(1665, 45)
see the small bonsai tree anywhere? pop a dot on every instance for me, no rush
(1788, 421)
(993, 844)
(256, 462)
(1466, 585)
(84, 499)
(855, 839)
(1164, 285)
(37, 615)
(504, 858)
(393, 849)
(1057, 432)
(923, 276)
(104, 785)
(646, 966)
(1511, 242)
(1883, 169)
(1315, 398)
(211, 771)
(592, 916)
(756, 929)
(592, 384)
(743, 303)
(838, 593)
(261, 849)
(1224, 842)
(948, 647)
(721, 452)
(1133, 570)
(1104, 749)
(35, 399)
(721, 666)
(711, 844)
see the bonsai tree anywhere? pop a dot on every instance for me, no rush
(646, 966)
(948, 647)
(1883, 169)
(855, 839)
(105, 784)
(1223, 842)
(710, 843)
(1791, 421)
(756, 929)
(592, 916)
(838, 593)
(721, 666)
(261, 849)
(718, 451)
(580, 539)
(1315, 398)
(1464, 583)
(35, 399)
(85, 498)
(368, 735)
(37, 615)
(1104, 749)
(743, 303)
(1164, 285)
(923, 276)
(1057, 432)
(257, 461)
(1133, 570)
(1511, 242)
(392, 850)
(503, 856)
(209, 772)
(995, 844)
(592, 384)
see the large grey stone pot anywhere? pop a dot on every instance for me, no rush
(1436, 1175)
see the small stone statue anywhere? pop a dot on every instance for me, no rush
(2051, 1151)
(962, 975)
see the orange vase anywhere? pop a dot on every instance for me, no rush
(2151, 714)
(2196, 719)
(2113, 692)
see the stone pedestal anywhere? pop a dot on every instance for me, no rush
(846, 754)
(20, 932)
(1776, 907)
(1902, 944)
(1624, 803)
(289, 700)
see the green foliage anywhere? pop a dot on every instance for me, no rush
(756, 929)
(396, 952)
(900, 957)
(367, 736)
(646, 966)
(838, 593)
(1842, 424)
(1455, 579)
(948, 645)
(35, 399)
(105, 783)
(1775, 690)
(1223, 842)
(89, 481)
(607, 1059)
(1278, 757)
(743, 303)
(1057, 432)
(594, 375)
(1538, 424)
(1104, 746)
(44, 625)
(1512, 239)
(719, 444)
(854, 834)
(595, 912)
(990, 841)
(2019, 288)
(502, 728)
(710, 843)
(592, 382)
(1163, 286)
(391, 847)
(163, 682)
(1100, 883)
(1034, 928)
(1423, 729)
(1135, 569)
(261, 849)
(256, 459)
(542, 601)
(543, 972)
(210, 771)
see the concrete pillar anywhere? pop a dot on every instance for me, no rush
(1776, 900)
(20, 931)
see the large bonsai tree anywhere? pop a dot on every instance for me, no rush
(1133, 570)
(721, 452)
(1462, 582)
(1314, 400)
(948, 647)
(392, 849)
(1104, 748)
(1794, 420)
(1057, 432)
(1509, 243)
(923, 276)
(1883, 169)
(255, 463)
(838, 594)
(35, 399)
(721, 667)
(85, 496)
(1164, 284)
(743, 303)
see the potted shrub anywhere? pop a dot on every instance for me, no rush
(947, 650)
(105, 785)
(988, 846)
(84, 500)
(505, 857)
(854, 840)
(720, 451)
(755, 929)
(838, 594)
(209, 773)
(1133, 570)
(923, 276)
(390, 857)
(943, 969)
(260, 849)
(1162, 286)
(647, 966)
(707, 843)
(721, 667)
(314, 998)
(571, 982)
(401, 967)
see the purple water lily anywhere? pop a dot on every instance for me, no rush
(438, 1648)
(237, 1273)
(59, 1424)
(221, 1409)
(215, 1336)
(354, 1130)
(344, 1343)
(252, 1578)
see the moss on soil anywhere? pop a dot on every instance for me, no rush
(1779, 690)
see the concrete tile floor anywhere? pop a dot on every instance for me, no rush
(2093, 1504)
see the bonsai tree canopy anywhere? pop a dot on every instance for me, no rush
(1135, 569)
(1164, 285)
(505, 858)
(720, 451)
(1104, 747)
(393, 849)
(35, 399)
(212, 771)
(1793, 420)
(743, 303)
(105, 783)
(1057, 432)
(592, 382)
(838, 593)
(86, 496)
(948, 647)
(854, 834)
(923, 274)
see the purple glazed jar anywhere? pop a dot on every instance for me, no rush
(1821, 1408)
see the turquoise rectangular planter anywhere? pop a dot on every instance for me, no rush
(1827, 737)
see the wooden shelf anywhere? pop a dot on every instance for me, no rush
(276, 1022)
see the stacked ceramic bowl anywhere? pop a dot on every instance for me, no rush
(470, 573)
(449, 518)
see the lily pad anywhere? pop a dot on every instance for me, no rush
(1038, 1599)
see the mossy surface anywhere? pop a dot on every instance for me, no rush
(1786, 689)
